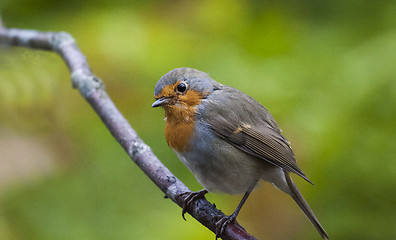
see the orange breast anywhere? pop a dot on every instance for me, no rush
(180, 116)
(179, 126)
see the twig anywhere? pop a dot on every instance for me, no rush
(92, 89)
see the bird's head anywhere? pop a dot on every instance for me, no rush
(183, 88)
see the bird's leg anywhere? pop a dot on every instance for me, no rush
(224, 221)
(190, 198)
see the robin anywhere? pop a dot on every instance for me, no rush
(228, 140)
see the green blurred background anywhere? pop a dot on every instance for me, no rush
(325, 69)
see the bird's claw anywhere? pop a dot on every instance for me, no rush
(221, 225)
(190, 198)
(223, 222)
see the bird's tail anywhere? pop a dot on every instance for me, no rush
(296, 195)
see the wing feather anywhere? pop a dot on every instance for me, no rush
(263, 142)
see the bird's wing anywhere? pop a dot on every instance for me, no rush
(264, 142)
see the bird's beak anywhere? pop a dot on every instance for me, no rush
(160, 101)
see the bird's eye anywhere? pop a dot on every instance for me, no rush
(182, 87)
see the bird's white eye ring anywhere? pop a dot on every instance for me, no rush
(182, 87)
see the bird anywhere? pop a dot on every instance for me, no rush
(227, 139)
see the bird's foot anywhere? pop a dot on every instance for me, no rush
(222, 222)
(190, 198)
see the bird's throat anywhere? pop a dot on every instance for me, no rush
(180, 123)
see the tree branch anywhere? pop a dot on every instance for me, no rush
(92, 89)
